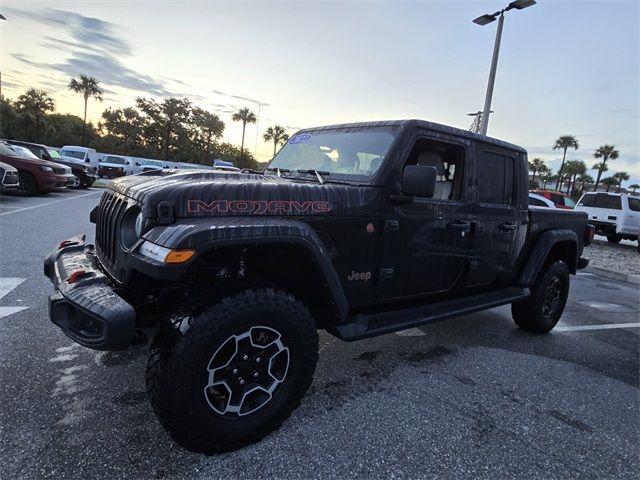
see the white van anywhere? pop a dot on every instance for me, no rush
(74, 153)
(615, 215)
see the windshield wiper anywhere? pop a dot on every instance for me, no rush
(317, 173)
(278, 170)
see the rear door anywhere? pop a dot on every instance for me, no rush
(502, 215)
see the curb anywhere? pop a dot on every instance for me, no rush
(623, 277)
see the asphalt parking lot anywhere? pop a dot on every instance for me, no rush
(473, 397)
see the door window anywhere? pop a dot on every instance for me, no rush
(448, 160)
(634, 204)
(496, 175)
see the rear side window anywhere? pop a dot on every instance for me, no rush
(601, 200)
(496, 174)
(634, 204)
(568, 202)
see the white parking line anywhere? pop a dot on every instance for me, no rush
(8, 284)
(50, 203)
(597, 327)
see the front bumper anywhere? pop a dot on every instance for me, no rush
(83, 304)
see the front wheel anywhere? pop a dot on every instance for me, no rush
(28, 184)
(230, 375)
(614, 238)
(542, 310)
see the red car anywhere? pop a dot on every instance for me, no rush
(36, 176)
(559, 199)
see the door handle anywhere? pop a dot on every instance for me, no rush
(459, 225)
(507, 227)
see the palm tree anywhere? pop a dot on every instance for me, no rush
(564, 143)
(35, 104)
(546, 177)
(277, 135)
(245, 116)
(584, 179)
(605, 152)
(621, 177)
(573, 169)
(88, 87)
(210, 125)
(536, 165)
(610, 182)
(634, 187)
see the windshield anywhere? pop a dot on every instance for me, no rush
(53, 153)
(23, 152)
(354, 153)
(72, 153)
(5, 150)
(114, 160)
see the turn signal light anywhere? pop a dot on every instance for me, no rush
(77, 275)
(179, 256)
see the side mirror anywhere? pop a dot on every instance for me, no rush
(137, 164)
(419, 181)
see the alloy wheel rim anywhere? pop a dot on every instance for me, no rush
(552, 297)
(246, 371)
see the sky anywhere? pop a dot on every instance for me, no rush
(565, 67)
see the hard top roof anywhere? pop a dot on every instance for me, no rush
(415, 123)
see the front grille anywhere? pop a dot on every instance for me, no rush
(110, 212)
(58, 170)
(10, 178)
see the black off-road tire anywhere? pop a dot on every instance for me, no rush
(614, 238)
(177, 375)
(539, 313)
(28, 184)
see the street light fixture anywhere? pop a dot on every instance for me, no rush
(485, 20)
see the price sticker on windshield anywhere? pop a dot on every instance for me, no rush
(302, 138)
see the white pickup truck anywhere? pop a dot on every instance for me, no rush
(615, 215)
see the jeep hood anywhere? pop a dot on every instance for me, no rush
(215, 193)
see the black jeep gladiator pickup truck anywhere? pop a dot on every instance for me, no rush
(359, 229)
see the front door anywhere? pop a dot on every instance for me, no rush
(426, 241)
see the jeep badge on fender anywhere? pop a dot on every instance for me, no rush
(234, 272)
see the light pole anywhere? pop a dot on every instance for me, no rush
(484, 20)
(2, 17)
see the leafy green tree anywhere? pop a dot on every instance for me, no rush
(634, 187)
(126, 126)
(210, 128)
(167, 126)
(621, 177)
(610, 182)
(605, 152)
(245, 116)
(231, 153)
(66, 129)
(32, 108)
(572, 170)
(88, 87)
(278, 136)
(564, 143)
(8, 128)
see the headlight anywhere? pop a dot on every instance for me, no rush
(45, 168)
(131, 227)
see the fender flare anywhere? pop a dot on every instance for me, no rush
(203, 234)
(540, 251)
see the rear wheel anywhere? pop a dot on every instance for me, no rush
(614, 238)
(28, 185)
(542, 310)
(230, 375)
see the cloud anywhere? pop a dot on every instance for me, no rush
(97, 48)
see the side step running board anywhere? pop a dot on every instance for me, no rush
(362, 325)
